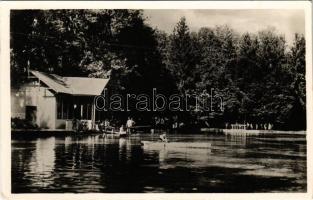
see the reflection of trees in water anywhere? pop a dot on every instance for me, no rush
(172, 157)
(83, 150)
(96, 164)
(21, 158)
(89, 151)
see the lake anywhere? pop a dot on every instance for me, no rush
(81, 164)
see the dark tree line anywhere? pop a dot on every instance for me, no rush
(260, 78)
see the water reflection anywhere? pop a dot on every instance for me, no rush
(99, 164)
(236, 140)
(183, 157)
(42, 163)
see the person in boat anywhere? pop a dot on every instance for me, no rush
(163, 137)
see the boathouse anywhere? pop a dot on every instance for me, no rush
(52, 102)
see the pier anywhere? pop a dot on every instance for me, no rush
(244, 132)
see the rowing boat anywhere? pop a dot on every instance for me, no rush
(197, 145)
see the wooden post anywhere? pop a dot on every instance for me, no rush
(93, 115)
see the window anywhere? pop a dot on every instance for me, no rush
(86, 111)
(67, 109)
(59, 108)
(89, 110)
(64, 108)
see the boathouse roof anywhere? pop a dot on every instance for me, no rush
(78, 86)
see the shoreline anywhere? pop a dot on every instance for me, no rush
(262, 132)
(30, 132)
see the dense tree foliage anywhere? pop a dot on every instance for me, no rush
(86, 43)
(260, 78)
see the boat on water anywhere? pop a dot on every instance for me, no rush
(159, 144)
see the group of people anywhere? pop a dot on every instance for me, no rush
(166, 123)
(129, 125)
(79, 125)
(126, 129)
(250, 126)
(104, 125)
(107, 126)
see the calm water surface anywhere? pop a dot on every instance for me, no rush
(95, 164)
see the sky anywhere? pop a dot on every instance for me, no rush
(286, 22)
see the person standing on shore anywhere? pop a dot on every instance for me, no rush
(106, 124)
(129, 124)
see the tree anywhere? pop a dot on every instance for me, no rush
(258, 77)
(245, 72)
(296, 70)
(182, 56)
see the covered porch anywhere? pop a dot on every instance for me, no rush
(73, 110)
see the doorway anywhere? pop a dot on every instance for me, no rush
(31, 114)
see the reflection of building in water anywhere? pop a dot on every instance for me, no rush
(42, 163)
(67, 142)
